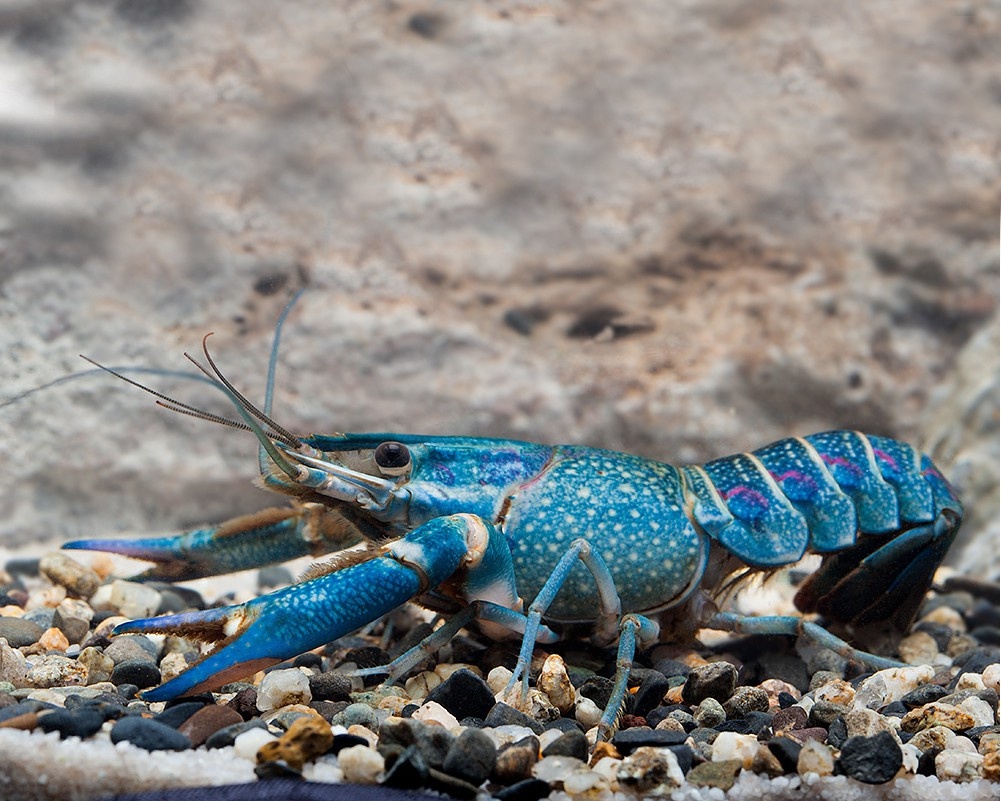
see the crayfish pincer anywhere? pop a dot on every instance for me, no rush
(474, 526)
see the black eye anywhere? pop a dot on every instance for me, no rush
(392, 458)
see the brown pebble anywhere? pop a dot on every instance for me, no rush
(936, 714)
(992, 766)
(811, 733)
(602, 750)
(307, 738)
(207, 721)
(631, 721)
(25, 722)
(514, 763)
(79, 581)
(793, 717)
(244, 703)
(766, 762)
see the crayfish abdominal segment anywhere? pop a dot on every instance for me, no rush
(587, 535)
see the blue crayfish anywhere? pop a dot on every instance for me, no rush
(469, 527)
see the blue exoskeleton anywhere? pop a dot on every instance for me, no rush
(475, 528)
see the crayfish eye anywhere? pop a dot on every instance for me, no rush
(392, 458)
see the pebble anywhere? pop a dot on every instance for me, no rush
(131, 646)
(526, 790)
(745, 700)
(865, 723)
(628, 740)
(555, 683)
(406, 770)
(715, 680)
(515, 761)
(937, 714)
(587, 712)
(464, 695)
(140, 672)
(19, 632)
(891, 684)
(730, 746)
(419, 686)
(282, 688)
(793, 717)
(786, 750)
(571, 744)
(148, 734)
(134, 600)
(871, 760)
(79, 581)
(651, 772)
(501, 714)
(815, 757)
(919, 648)
(207, 721)
(709, 713)
(959, 766)
(248, 743)
(981, 711)
(361, 764)
(53, 670)
(933, 739)
(82, 722)
(432, 712)
(306, 739)
(925, 694)
(227, 735)
(471, 757)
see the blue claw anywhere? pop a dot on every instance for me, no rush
(264, 538)
(296, 619)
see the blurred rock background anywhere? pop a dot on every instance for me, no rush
(679, 229)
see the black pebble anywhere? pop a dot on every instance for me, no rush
(136, 671)
(564, 725)
(176, 715)
(527, 790)
(148, 734)
(629, 740)
(409, 770)
(598, 689)
(650, 693)
(924, 694)
(345, 740)
(308, 660)
(894, 709)
(786, 751)
(837, 733)
(501, 714)
(786, 700)
(716, 680)
(471, 757)
(671, 668)
(872, 760)
(82, 722)
(23, 708)
(464, 694)
(572, 744)
(685, 756)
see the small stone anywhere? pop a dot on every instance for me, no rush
(919, 648)
(149, 735)
(431, 712)
(503, 715)
(865, 723)
(131, 646)
(73, 617)
(823, 713)
(97, 664)
(991, 767)
(937, 714)
(992, 677)
(651, 772)
(715, 680)
(358, 715)
(716, 774)
(571, 744)
(141, 673)
(555, 683)
(730, 746)
(981, 711)
(815, 757)
(710, 713)
(176, 715)
(793, 717)
(361, 764)
(776, 688)
(497, 679)
(53, 640)
(555, 769)
(587, 713)
(959, 766)
(134, 600)
(515, 761)
(80, 723)
(744, 700)
(245, 703)
(817, 733)
(471, 757)
(330, 686)
(892, 684)
(53, 670)
(526, 790)
(464, 695)
(79, 581)
(925, 694)
(282, 688)
(419, 686)
(786, 752)
(628, 740)
(306, 739)
(19, 632)
(871, 760)
(837, 691)
(933, 739)
(947, 617)
(650, 694)
(207, 721)
(248, 743)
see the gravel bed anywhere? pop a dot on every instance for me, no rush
(747, 717)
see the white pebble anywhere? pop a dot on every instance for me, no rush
(983, 713)
(419, 686)
(958, 766)
(587, 712)
(282, 688)
(890, 685)
(497, 680)
(556, 768)
(249, 743)
(815, 758)
(433, 712)
(510, 733)
(638, 770)
(607, 767)
(13, 666)
(134, 600)
(555, 683)
(361, 764)
(585, 781)
(730, 745)
(992, 677)
(911, 755)
(970, 681)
